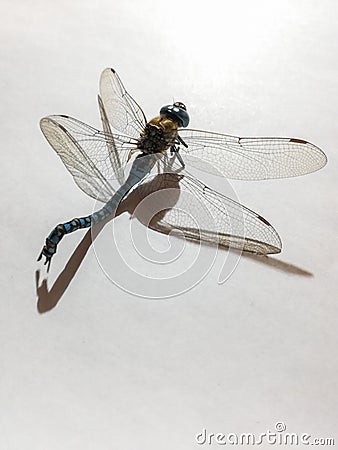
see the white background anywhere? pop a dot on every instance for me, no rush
(89, 366)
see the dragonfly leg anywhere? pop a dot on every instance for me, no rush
(175, 150)
(181, 141)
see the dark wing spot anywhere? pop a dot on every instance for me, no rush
(64, 115)
(62, 128)
(264, 220)
(112, 70)
(298, 141)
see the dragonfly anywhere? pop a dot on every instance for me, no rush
(96, 157)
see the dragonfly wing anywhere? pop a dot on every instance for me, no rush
(85, 152)
(202, 214)
(251, 158)
(123, 113)
(111, 145)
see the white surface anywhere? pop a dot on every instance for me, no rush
(103, 369)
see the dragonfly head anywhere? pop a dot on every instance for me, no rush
(176, 112)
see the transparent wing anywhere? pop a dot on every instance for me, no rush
(202, 214)
(123, 113)
(250, 158)
(111, 146)
(86, 153)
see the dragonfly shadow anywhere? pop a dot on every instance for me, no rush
(49, 298)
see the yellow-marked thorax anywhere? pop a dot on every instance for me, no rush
(158, 135)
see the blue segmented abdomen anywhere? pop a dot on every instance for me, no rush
(141, 167)
(60, 230)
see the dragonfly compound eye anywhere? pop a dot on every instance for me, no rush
(177, 112)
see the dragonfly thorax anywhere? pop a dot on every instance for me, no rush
(158, 135)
